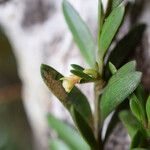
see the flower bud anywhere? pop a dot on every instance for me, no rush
(69, 82)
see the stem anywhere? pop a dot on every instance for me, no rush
(98, 87)
(96, 113)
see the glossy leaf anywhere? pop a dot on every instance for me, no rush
(148, 109)
(77, 67)
(75, 98)
(68, 134)
(118, 91)
(126, 45)
(56, 144)
(129, 121)
(80, 32)
(81, 74)
(84, 128)
(136, 108)
(109, 29)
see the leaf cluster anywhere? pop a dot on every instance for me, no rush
(114, 83)
(137, 121)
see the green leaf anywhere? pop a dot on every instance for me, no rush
(56, 144)
(84, 128)
(100, 19)
(116, 3)
(109, 29)
(77, 67)
(136, 108)
(126, 45)
(112, 124)
(80, 32)
(129, 121)
(75, 98)
(124, 48)
(137, 140)
(112, 4)
(81, 74)
(112, 68)
(139, 149)
(68, 134)
(148, 109)
(114, 120)
(118, 91)
(125, 69)
(141, 95)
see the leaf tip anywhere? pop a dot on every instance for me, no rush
(112, 68)
(64, 3)
(44, 68)
(139, 74)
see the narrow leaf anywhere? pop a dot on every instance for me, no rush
(124, 48)
(137, 140)
(110, 28)
(136, 108)
(100, 19)
(112, 4)
(81, 74)
(75, 98)
(127, 45)
(84, 128)
(112, 68)
(129, 121)
(56, 144)
(125, 69)
(77, 67)
(114, 120)
(112, 124)
(118, 91)
(141, 95)
(139, 149)
(116, 3)
(68, 134)
(80, 32)
(148, 109)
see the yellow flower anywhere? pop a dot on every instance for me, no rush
(69, 82)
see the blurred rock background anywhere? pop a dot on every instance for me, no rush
(37, 33)
(15, 132)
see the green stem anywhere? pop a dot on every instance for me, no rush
(97, 120)
(96, 113)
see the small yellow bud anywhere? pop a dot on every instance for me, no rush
(69, 82)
